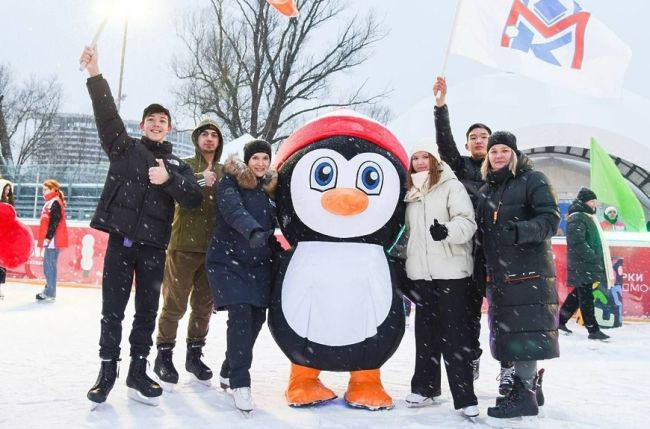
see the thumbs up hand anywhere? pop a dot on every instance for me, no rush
(438, 231)
(209, 176)
(158, 174)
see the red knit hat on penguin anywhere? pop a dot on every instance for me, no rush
(342, 122)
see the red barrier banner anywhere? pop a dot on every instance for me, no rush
(82, 263)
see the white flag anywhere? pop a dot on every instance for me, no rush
(555, 41)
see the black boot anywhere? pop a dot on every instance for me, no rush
(145, 388)
(520, 402)
(193, 363)
(108, 372)
(537, 388)
(598, 335)
(163, 366)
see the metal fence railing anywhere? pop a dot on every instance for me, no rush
(82, 185)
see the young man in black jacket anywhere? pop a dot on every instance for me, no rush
(136, 209)
(468, 171)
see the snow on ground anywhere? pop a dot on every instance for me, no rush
(49, 361)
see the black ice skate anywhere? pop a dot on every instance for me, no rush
(108, 372)
(537, 388)
(520, 407)
(195, 366)
(141, 387)
(599, 335)
(164, 367)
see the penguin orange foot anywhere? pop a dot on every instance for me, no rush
(366, 391)
(305, 388)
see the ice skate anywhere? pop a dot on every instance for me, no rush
(470, 412)
(142, 388)
(415, 400)
(539, 393)
(243, 399)
(108, 372)
(600, 336)
(201, 373)
(517, 409)
(164, 367)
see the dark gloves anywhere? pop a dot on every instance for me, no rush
(509, 233)
(438, 231)
(275, 245)
(260, 238)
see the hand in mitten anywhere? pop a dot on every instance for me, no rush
(509, 233)
(260, 238)
(438, 231)
(275, 245)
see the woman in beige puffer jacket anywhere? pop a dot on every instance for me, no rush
(440, 221)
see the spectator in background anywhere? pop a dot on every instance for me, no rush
(611, 222)
(7, 192)
(52, 236)
(6, 197)
(588, 263)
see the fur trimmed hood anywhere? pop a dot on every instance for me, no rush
(246, 178)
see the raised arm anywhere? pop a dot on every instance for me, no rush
(446, 145)
(112, 133)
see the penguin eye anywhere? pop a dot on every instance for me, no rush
(370, 178)
(323, 174)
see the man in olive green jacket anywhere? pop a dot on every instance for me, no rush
(185, 277)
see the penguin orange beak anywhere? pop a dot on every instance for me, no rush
(344, 201)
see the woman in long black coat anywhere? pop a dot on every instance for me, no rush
(517, 214)
(239, 260)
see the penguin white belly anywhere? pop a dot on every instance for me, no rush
(337, 294)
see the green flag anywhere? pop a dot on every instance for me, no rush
(612, 189)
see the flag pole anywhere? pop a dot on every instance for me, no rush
(93, 43)
(451, 39)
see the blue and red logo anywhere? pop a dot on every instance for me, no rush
(551, 30)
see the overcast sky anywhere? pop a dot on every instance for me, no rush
(45, 37)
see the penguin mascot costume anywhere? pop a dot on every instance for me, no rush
(335, 305)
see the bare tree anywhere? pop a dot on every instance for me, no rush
(26, 113)
(259, 72)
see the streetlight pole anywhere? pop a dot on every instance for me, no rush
(119, 91)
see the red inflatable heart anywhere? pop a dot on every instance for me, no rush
(16, 239)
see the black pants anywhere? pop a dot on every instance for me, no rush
(444, 326)
(583, 297)
(475, 304)
(121, 263)
(244, 325)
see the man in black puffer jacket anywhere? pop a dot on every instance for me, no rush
(136, 208)
(468, 171)
(586, 267)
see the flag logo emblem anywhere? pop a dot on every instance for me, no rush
(551, 30)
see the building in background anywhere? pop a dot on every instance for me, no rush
(74, 157)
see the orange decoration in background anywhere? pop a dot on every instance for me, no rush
(285, 7)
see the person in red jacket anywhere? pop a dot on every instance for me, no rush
(52, 236)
